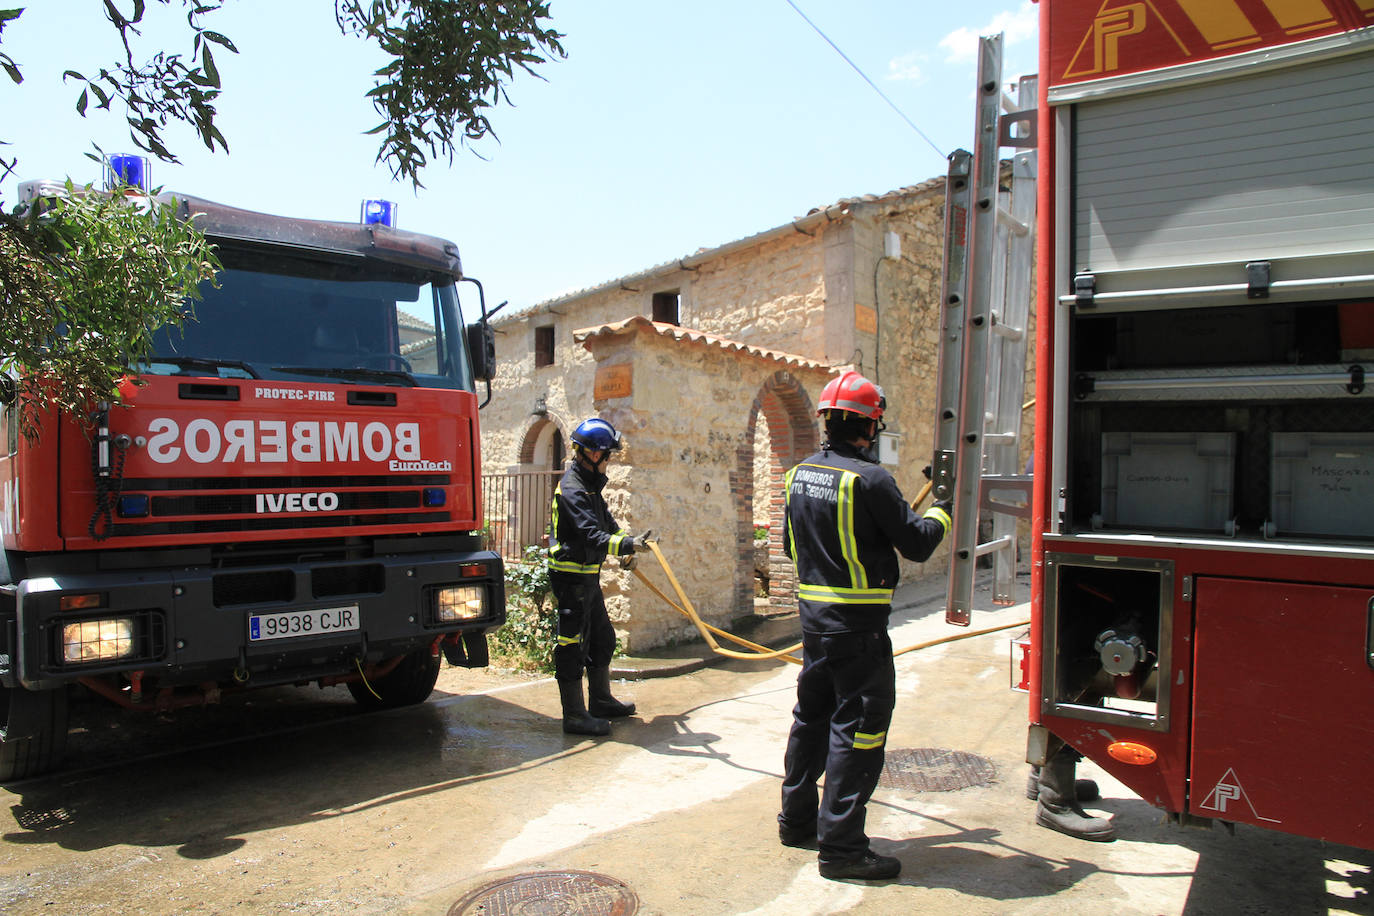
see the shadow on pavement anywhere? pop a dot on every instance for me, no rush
(202, 798)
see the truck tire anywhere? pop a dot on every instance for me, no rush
(45, 744)
(409, 683)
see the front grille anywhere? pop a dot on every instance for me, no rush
(278, 523)
(220, 505)
(247, 503)
(363, 579)
(132, 484)
(257, 587)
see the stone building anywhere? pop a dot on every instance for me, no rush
(711, 365)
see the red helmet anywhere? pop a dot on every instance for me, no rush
(852, 392)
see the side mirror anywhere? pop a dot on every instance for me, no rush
(482, 350)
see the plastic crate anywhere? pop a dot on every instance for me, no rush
(1322, 484)
(1172, 481)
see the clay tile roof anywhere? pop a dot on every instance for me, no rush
(638, 323)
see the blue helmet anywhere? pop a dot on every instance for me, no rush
(597, 435)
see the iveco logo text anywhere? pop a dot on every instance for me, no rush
(273, 441)
(298, 502)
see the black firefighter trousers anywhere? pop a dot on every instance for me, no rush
(845, 695)
(586, 638)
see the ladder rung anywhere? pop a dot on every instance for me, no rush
(1001, 543)
(999, 438)
(1016, 226)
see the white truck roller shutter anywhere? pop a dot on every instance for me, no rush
(1171, 179)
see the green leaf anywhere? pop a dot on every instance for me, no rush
(81, 104)
(209, 63)
(221, 40)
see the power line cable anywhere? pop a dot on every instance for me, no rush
(900, 113)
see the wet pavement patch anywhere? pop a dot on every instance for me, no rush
(935, 769)
(550, 893)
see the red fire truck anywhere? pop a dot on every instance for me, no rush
(290, 494)
(1203, 536)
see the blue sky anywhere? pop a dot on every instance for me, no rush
(669, 127)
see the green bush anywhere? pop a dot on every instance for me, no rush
(527, 639)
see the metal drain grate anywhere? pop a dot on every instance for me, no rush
(935, 769)
(550, 893)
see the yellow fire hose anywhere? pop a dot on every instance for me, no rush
(758, 652)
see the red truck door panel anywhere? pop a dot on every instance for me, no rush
(1283, 707)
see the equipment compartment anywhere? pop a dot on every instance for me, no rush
(1322, 484)
(1168, 480)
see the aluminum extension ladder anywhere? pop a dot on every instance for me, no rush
(988, 261)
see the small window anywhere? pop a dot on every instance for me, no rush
(665, 307)
(543, 346)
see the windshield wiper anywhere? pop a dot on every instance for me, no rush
(353, 372)
(201, 363)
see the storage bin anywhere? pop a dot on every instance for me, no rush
(1173, 480)
(1322, 484)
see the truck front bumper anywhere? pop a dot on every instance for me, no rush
(258, 625)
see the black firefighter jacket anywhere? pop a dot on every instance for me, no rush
(845, 523)
(582, 530)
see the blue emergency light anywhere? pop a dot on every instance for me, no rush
(434, 497)
(126, 170)
(133, 505)
(379, 213)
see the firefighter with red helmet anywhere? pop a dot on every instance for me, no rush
(582, 535)
(845, 523)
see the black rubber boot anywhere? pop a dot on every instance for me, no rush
(1083, 789)
(798, 837)
(575, 718)
(1057, 807)
(868, 867)
(599, 699)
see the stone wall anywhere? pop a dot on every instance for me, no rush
(687, 470)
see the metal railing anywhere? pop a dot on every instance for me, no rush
(517, 507)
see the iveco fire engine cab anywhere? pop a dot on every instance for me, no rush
(287, 493)
(1203, 534)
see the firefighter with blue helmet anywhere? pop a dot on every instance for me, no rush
(845, 523)
(582, 535)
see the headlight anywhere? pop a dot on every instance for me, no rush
(453, 603)
(97, 640)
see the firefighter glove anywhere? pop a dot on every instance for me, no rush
(642, 542)
(627, 562)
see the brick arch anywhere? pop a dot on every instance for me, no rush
(529, 442)
(793, 434)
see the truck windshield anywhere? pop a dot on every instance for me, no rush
(288, 314)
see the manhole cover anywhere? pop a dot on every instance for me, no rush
(550, 893)
(935, 769)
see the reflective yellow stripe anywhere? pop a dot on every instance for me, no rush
(569, 640)
(614, 546)
(863, 741)
(791, 547)
(835, 595)
(849, 543)
(567, 566)
(941, 516)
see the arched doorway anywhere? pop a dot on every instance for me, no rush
(781, 431)
(542, 453)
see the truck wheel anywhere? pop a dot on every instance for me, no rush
(410, 682)
(45, 743)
